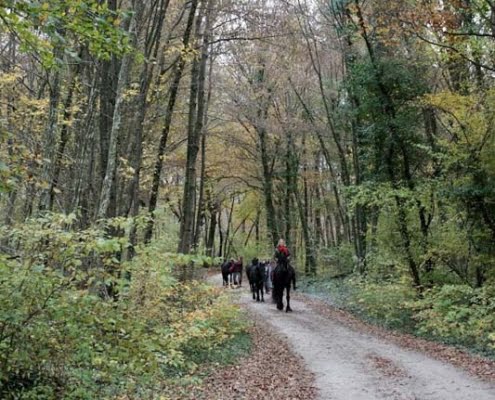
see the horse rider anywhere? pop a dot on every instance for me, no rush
(282, 253)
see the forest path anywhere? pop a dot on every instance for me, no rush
(353, 365)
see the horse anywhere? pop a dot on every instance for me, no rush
(248, 272)
(283, 275)
(226, 274)
(257, 280)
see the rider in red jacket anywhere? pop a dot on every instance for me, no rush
(282, 253)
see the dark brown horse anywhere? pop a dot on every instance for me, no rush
(283, 276)
(257, 280)
(226, 273)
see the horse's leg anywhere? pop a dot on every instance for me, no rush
(280, 300)
(288, 309)
(261, 288)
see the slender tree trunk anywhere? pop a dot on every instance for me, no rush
(268, 188)
(220, 234)
(174, 90)
(309, 249)
(64, 134)
(201, 203)
(50, 137)
(152, 49)
(117, 120)
(227, 232)
(288, 195)
(320, 236)
(210, 243)
(109, 77)
(197, 104)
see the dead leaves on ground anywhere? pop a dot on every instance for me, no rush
(271, 371)
(477, 366)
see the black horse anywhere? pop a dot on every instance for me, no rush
(283, 275)
(257, 280)
(226, 274)
(248, 272)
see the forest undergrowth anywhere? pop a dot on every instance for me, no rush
(70, 330)
(453, 314)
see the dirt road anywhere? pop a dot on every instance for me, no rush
(352, 365)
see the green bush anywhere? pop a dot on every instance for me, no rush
(63, 337)
(337, 261)
(459, 314)
(387, 304)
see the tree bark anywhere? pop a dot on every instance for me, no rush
(117, 120)
(152, 49)
(50, 136)
(195, 131)
(174, 90)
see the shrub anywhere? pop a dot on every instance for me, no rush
(61, 338)
(385, 303)
(338, 261)
(459, 314)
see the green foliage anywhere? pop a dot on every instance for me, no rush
(459, 314)
(337, 261)
(43, 26)
(385, 303)
(75, 329)
(454, 313)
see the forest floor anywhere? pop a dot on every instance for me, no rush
(347, 359)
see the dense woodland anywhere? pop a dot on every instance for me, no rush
(141, 137)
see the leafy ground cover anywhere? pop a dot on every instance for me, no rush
(270, 371)
(70, 329)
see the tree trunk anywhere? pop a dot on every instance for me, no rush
(64, 134)
(153, 47)
(210, 243)
(200, 219)
(109, 180)
(195, 131)
(174, 90)
(50, 137)
(309, 249)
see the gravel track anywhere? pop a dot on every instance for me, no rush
(353, 365)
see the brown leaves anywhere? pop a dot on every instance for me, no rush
(477, 366)
(271, 371)
(385, 366)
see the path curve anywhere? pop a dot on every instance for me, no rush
(352, 365)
